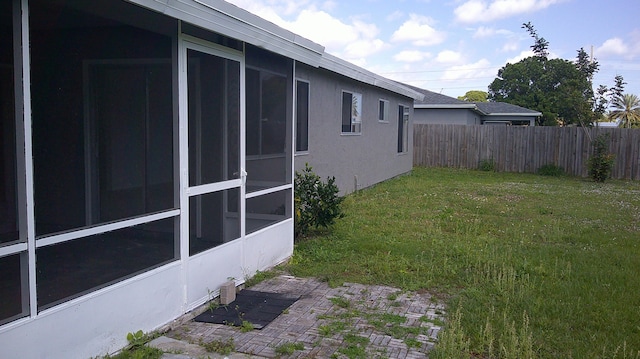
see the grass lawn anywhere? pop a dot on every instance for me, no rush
(530, 266)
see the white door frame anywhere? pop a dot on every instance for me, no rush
(186, 43)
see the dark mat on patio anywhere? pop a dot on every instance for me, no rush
(258, 308)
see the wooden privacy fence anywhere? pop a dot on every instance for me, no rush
(523, 149)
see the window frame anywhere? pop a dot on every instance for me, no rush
(383, 115)
(355, 122)
(403, 129)
(306, 124)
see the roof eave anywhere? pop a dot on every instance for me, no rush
(227, 19)
(445, 106)
(342, 67)
(516, 114)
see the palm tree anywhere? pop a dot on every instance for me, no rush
(626, 108)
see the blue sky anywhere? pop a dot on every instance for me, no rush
(458, 45)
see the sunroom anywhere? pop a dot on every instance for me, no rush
(145, 159)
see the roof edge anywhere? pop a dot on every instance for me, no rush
(515, 114)
(230, 20)
(447, 106)
(346, 68)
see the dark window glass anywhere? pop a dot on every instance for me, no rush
(8, 215)
(71, 269)
(403, 129)
(347, 100)
(102, 112)
(383, 111)
(213, 219)
(302, 116)
(214, 118)
(351, 112)
(12, 303)
(268, 152)
(263, 211)
(266, 113)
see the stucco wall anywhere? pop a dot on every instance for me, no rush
(356, 160)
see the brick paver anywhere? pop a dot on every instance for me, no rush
(358, 321)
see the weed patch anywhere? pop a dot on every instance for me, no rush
(223, 347)
(288, 348)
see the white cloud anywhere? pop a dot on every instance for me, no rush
(484, 32)
(449, 57)
(324, 29)
(474, 11)
(522, 55)
(418, 31)
(329, 5)
(411, 56)
(511, 45)
(396, 15)
(353, 40)
(480, 69)
(615, 46)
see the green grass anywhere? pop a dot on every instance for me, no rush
(534, 266)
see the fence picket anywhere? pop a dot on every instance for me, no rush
(523, 149)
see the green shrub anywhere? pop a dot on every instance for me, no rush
(601, 162)
(317, 203)
(551, 170)
(488, 165)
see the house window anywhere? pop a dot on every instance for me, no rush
(265, 210)
(403, 129)
(269, 137)
(302, 116)
(267, 145)
(103, 145)
(351, 112)
(383, 111)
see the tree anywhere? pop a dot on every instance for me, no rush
(540, 46)
(474, 96)
(555, 87)
(617, 91)
(560, 89)
(587, 66)
(626, 109)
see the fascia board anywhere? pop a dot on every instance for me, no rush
(230, 20)
(345, 68)
(516, 114)
(445, 106)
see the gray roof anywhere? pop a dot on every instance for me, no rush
(503, 108)
(436, 99)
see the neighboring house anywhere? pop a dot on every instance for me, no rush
(147, 157)
(436, 108)
(506, 113)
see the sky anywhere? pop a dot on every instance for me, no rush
(454, 46)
